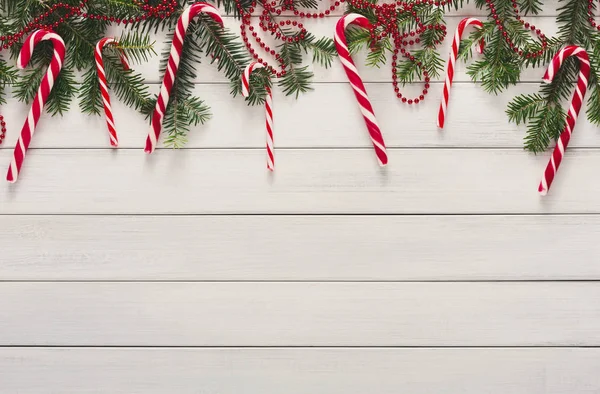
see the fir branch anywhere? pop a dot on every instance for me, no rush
(376, 56)
(296, 79)
(500, 66)
(63, 92)
(8, 75)
(90, 97)
(180, 117)
(311, 4)
(259, 80)
(225, 50)
(357, 39)
(530, 7)
(408, 71)
(27, 86)
(323, 49)
(137, 46)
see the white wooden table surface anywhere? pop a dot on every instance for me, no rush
(196, 271)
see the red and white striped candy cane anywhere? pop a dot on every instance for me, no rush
(110, 120)
(576, 102)
(356, 82)
(165, 90)
(42, 94)
(462, 25)
(268, 110)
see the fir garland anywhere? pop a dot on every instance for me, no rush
(511, 46)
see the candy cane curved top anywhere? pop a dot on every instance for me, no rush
(576, 102)
(110, 121)
(356, 82)
(246, 77)
(173, 64)
(268, 110)
(42, 94)
(462, 25)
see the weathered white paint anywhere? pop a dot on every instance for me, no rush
(299, 371)
(106, 248)
(306, 181)
(475, 120)
(300, 314)
(325, 248)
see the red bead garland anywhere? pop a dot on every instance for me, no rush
(527, 25)
(268, 24)
(387, 26)
(591, 15)
(161, 11)
(2, 129)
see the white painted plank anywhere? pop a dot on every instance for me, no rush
(383, 248)
(300, 371)
(208, 73)
(305, 181)
(300, 314)
(328, 117)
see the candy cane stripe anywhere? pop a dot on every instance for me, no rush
(576, 102)
(172, 66)
(462, 25)
(102, 82)
(356, 83)
(268, 111)
(40, 98)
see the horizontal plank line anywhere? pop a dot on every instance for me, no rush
(366, 82)
(309, 148)
(437, 214)
(297, 347)
(337, 281)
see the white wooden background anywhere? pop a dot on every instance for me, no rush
(196, 271)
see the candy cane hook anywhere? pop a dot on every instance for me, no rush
(462, 25)
(268, 110)
(356, 82)
(165, 90)
(110, 120)
(576, 102)
(42, 94)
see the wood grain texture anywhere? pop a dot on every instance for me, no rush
(475, 120)
(300, 314)
(324, 248)
(299, 371)
(307, 181)
(152, 263)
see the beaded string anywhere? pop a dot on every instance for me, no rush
(161, 11)
(527, 25)
(385, 26)
(267, 23)
(591, 15)
(2, 129)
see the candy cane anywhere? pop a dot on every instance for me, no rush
(462, 25)
(576, 102)
(41, 96)
(268, 110)
(356, 82)
(110, 120)
(165, 90)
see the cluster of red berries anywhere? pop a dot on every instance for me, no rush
(278, 29)
(162, 10)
